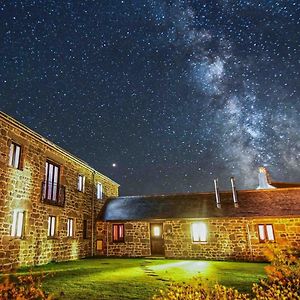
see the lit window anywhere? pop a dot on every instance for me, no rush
(14, 155)
(156, 231)
(118, 232)
(70, 227)
(199, 232)
(17, 224)
(81, 183)
(266, 233)
(51, 226)
(99, 191)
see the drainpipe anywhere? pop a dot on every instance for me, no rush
(249, 241)
(93, 211)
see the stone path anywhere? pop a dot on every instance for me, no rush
(149, 272)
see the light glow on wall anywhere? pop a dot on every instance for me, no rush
(199, 232)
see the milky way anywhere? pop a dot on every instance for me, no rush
(162, 96)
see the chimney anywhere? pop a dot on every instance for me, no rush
(234, 194)
(263, 181)
(217, 193)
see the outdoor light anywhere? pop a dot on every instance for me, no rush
(199, 232)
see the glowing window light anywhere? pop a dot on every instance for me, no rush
(156, 231)
(99, 191)
(17, 224)
(266, 233)
(51, 226)
(81, 183)
(14, 155)
(199, 232)
(70, 227)
(261, 232)
(270, 232)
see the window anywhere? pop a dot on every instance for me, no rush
(85, 229)
(266, 233)
(99, 191)
(51, 226)
(199, 232)
(118, 232)
(70, 227)
(51, 187)
(15, 155)
(81, 183)
(17, 223)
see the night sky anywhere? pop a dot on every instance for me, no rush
(161, 96)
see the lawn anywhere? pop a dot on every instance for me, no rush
(106, 278)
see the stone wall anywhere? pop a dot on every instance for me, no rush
(137, 239)
(22, 189)
(228, 238)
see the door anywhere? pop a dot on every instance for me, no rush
(157, 242)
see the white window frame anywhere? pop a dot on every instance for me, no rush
(17, 227)
(99, 191)
(81, 183)
(199, 232)
(266, 233)
(52, 226)
(15, 155)
(70, 227)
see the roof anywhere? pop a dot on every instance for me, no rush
(278, 184)
(36, 135)
(254, 203)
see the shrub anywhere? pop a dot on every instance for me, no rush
(23, 287)
(283, 277)
(196, 290)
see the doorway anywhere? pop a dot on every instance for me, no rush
(157, 241)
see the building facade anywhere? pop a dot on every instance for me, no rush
(55, 207)
(196, 226)
(49, 199)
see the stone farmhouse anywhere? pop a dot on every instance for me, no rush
(55, 207)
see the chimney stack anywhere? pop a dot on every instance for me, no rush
(234, 194)
(217, 193)
(263, 181)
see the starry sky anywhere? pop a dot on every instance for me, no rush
(161, 96)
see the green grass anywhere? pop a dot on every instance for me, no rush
(106, 278)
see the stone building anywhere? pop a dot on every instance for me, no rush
(55, 207)
(219, 226)
(48, 199)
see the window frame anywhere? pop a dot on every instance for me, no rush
(52, 227)
(200, 235)
(16, 231)
(12, 156)
(81, 183)
(266, 238)
(99, 191)
(119, 238)
(70, 228)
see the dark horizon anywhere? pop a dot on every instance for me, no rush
(160, 96)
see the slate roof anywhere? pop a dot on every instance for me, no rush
(254, 203)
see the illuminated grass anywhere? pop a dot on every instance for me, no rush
(105, 278)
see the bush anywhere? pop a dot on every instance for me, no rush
(283, 277)
(282, 283)
(22, 287)
(198, 291)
